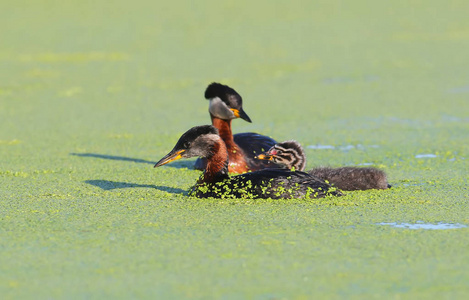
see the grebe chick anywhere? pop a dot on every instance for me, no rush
(204, 141)
(290, 155)
(225, 104)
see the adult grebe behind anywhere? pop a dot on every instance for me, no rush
(204, 141)
(225, 104)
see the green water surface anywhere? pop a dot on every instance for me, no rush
(92, 93)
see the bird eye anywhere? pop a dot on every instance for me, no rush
(187, 144)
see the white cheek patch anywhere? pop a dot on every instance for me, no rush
(219, 109)
(212, 138)
(202, 145)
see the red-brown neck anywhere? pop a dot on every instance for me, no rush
(224, 130)
(217, 164)
(237, 161)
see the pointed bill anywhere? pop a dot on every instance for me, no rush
(171, 156)
(241, 114)
(264, 157)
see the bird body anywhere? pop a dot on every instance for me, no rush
(267, 183)
(290, 154)
(352, 178)
(204, 141)
(225, 104)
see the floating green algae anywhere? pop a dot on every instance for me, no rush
(93, 93)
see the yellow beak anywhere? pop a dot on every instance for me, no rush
(264, 157)
(169, 158)
(235, 111)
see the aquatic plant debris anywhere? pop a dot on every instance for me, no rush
(83, 213)
(427, 226)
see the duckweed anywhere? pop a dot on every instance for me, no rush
(93, 92)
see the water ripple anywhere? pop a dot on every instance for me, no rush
(427, 226)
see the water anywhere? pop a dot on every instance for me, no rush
(426, 156)
(320, 147)
(343, 148)
(458, 90)
(428, 226)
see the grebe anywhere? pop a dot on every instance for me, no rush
(290, 155)
(205, 141)
(225, 105)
